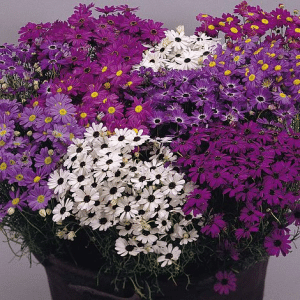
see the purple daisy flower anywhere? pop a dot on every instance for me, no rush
(226, 282)
(277, 243)
(39, 197)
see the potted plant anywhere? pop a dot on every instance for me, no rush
(137, 162)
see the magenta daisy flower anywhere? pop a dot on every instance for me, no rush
(153, 31)
(226, 282)
(277, 243)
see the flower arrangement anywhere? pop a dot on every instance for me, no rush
(145, 154)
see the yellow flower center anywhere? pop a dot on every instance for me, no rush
(265, 21)
(35, 103)
(297, 30)
(40, 199)
(234, 30)
(12, 162)
(227, 72)
(252, 77)
(69, 88)
(247, 41)
(212, 64)
(282, 95)
(296, 82)
(237, 48)
(59, 90)
(254, 27)
(204, 16)
(36, 179)
(104, 69)
(83, 115)
(111, 110)
(3, 132)
(277, 68)
(119, 73)
(48, 120)
(2, 143)
(107, 85)
(298, 64)
(237, 58)
(32, 118)
(15, 201)
(229, 19)
(104, 100)
(94, 94)
(264, 67)
(48, 160)
(138, 108)
(211, 27)
(250, 14)
(135, 130)
(19, 177)
(289, 19)
(278, 79)
(72, 136)
(297, 56)
(258, 50)
(3, 166)
(62, 112)
(222, 24)
(129, 83)
(260, 62)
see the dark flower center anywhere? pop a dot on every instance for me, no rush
(277, 243)
(96, 134)
(127, 208)
(224, 281)
(187, 60)
(80, 178)
(178, 39)
(60, 181)
(113, 190)
(169, 256)
(62, 210)
(172, 185)
(103, 221)
(153, 31)
(121, 138)
(129, 248)
(87, 198)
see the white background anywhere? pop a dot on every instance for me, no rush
(17, 280)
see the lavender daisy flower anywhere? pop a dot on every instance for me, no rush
(39, 197)
(226, 282)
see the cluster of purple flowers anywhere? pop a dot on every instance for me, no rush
(32, 141)
(250, 81)
(245, 175)
(253, 21)
(90, 60)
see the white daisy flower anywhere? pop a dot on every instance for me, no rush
(173, 184)
(111, 161)
(102, 222)
(122, 139)
(127, 209)
(170, 255)
(189, 60)
(152, 60)
(83, 164)
(150, 199)
(189, 236)
(58, 181)
(125, 228)
(62, 210)
(86, 197)
(124, 247)
(77, 180)
(178, 39)
(95, 132)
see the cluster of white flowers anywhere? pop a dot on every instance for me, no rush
(179, 52)
(126, 180)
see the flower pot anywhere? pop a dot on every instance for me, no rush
(70, 282)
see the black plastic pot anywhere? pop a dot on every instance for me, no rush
(69, 282)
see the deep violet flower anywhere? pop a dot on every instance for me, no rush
(277, 244)
(226, 282)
